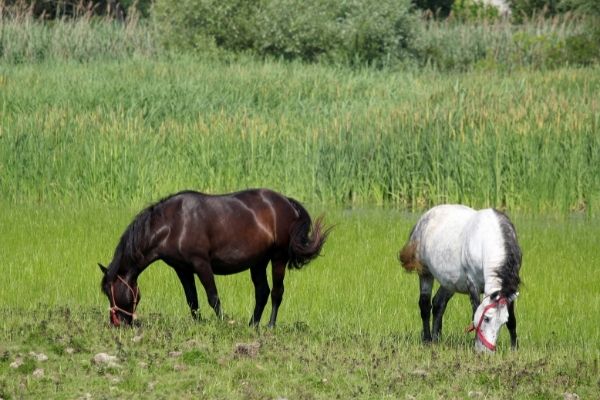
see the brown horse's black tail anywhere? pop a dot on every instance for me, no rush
(306, 238)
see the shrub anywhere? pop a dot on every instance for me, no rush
(351, 31)
(439, 8)
(524, 9)
(200, 24)
(473, 10)
(583, 48)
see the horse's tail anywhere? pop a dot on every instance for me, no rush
(408, 258)
(305, 247)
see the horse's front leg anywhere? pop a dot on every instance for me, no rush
(278, 272)
(473, 296)
(440, 301)
(186, 277)
(261, 291)
(425, 287)
(511, 324)
(207, 278)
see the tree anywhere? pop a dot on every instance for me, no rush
(440, 8)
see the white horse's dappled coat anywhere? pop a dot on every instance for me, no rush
(457, 244)
(466, 251)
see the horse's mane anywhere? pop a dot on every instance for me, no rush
(508, 273)
(134, 240)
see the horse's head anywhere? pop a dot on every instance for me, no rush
(489, 317)
(123, 298)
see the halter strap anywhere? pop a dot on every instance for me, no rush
(115, 307)
(477, 329)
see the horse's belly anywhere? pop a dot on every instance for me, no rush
(228, 269)
(453, 282)
(233, 260)
(445, 266)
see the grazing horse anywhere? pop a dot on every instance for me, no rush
(466, 251)
(200, 234)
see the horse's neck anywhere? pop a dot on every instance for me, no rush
(491, 281)
(130, 270)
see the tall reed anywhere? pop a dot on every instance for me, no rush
(136, 131)
(26, 39)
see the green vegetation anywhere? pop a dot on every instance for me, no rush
(139, 130)
(357, 33)
(349, 324)
(24, 39)
(356, 104)
(351, 32)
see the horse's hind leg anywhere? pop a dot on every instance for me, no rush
(186, 277)
(511, 324)
(426, 287)
(261, 291)
(440, 300)
(278, 269)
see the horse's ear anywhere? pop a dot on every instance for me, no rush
(102, 268)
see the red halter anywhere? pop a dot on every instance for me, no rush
(477, 329)
(115, 307)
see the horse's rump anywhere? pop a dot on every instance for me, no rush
(408, 258)
(306, 238)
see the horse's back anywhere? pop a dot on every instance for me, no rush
(232, 230)
(440, 235)
(442, 226)
(456, 242)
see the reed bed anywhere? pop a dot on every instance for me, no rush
(136, 131)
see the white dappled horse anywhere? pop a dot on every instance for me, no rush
(466, 251)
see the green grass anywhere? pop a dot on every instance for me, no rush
(25, 40)
(84, 146)
(137, 130)
(348, 326)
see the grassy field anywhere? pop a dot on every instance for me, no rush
(83, 147)
(348, 327)
(135, 130)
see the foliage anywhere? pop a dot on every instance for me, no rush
(56, 9)
(524, 9)
(355, 33)
(25, 39)
(141, 6)
(586, 7)
(547, 51)
(473, 10)
(194, 24)
(439, 8)
(584, 48)
(134, 131)
(539, 43)
(368, 32)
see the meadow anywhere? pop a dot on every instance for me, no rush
(84, 146)
(348, 327)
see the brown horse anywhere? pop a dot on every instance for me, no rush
(204, 234)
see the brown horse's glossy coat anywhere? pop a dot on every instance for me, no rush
(203, 235)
